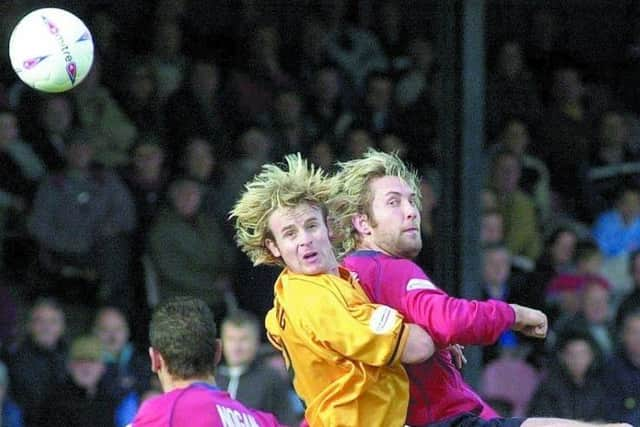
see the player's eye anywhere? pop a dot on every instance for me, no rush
(393, 202)
(289, 234)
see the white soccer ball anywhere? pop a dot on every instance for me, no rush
(51, 50)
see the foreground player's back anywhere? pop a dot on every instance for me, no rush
(199, 405)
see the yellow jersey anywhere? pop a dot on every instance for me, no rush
(344, 351)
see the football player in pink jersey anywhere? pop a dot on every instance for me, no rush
(376, 209)
(184, 353)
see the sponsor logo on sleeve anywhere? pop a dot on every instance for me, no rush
(414, 284)
(382, 320)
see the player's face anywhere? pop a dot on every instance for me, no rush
(395, 222)
(301, 239)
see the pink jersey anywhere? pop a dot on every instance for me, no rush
(199, 405)
(437, 388)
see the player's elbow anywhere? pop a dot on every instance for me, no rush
(420, 346)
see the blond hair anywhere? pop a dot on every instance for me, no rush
(351, 194)
(276, 186)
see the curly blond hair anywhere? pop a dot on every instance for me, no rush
(276, 186)
(351, 194)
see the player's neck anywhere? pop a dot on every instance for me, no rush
(170, 384)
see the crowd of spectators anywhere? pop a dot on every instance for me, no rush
(114, 195)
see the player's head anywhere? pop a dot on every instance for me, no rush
(376, 203)
(182, 334)
(281, 218)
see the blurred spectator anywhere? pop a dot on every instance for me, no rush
(287, 125)
(392, 143)
(127, 369)
(168, 63)
(498, 283)
(622, 374)
(631, 302)
(611, 165)
(254, 148)
(534, 179)
(562, 292)
(327, 116)
(246, 378)
(37, 366)
(196, 108)
(497, 379)
(82, 399)
(617, 232)
(138, 93)
(522, 235)
(377, 113)
(252, 86)
(573, 387)
(566, 142)
(81, 220)
(56, 115)
(112, 133)
(147, 178)
(594, 315)
(558, 256)
(10, 413)
(19, 176)
(357, 142)
(511, 90)
(355, 50)
(312, 55)
(418, 80)
(188, 249)
(392, 33)
(201, 165)
(491, 227)
(322, 154)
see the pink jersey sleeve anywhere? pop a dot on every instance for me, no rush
(199, 406)
(401, 284)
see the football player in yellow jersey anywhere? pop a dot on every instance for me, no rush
(345, 352)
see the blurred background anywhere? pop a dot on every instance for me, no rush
(521, 116)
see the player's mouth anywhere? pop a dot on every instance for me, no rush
(411, 230)
(310, 256)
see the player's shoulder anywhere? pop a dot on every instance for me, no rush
(382, 263)
(153, 411)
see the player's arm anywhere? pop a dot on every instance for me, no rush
(448, 320)
(419, 346)
(371, 333)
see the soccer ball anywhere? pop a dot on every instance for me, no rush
(51, 50)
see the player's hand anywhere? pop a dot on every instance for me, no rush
(457, 354)
(530, 322)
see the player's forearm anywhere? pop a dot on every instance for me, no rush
(458, 321)
(419, 347)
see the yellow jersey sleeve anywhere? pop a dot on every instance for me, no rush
(371, 333)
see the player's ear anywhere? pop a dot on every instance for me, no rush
(361, 223)
(218, 351)
(273, 247)
(156, 360)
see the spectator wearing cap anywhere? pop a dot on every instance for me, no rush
(562, 291)
(82, 399)
(594, 314)
(10, 413)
